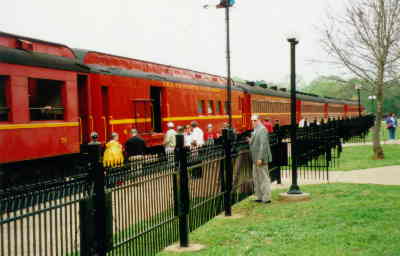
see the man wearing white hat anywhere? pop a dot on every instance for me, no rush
(261, 156)
(169, 138)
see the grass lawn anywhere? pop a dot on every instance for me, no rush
(360, 157)
(340, 219)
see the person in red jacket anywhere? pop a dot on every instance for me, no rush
(267, 123)
(210, 135)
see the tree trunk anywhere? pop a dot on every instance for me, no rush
(376, 142)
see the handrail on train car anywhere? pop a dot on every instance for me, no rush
(80, 130)
(91, 123)
(105, 127)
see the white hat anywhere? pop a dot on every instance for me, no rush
(209, 126)
(170, 124)
(254, 117)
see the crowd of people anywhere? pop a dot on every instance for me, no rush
(135, 148)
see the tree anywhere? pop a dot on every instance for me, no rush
(331, 86)
(365, 40)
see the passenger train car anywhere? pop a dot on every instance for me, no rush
(52, 97)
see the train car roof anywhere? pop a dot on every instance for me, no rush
(36, 59)
(152, 76)
(279, 93)
(81, 53)
(35, 40)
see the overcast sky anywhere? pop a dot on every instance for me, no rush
(182, 33)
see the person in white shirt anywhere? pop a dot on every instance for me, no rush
(197, 134)
(170, 138)
(303, 123)
(187, 136)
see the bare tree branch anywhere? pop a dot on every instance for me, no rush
(365, 40)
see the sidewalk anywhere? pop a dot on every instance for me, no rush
(383, 142)
(388, 175)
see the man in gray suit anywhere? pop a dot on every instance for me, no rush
(261, 156)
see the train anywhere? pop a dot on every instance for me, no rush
(52, 97)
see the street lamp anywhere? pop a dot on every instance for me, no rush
(227, 4)
(372, 98)
(294, 188)
(358, 87)
(228, 133)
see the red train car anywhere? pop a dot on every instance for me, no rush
(53, 97)
(38, 99)
(128, 93)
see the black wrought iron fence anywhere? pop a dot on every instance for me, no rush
(318, 146)
(151, 201)
(42, 219)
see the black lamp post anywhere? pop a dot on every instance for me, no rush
(228, 65)
(294, 188)
(226, 4)
(228, 133)
(358, 87)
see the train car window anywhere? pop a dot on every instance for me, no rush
(200, 107)
(226, 107)
(210, 107)
(3, 99)
(45, 99)
(253, 107)
(218, 107)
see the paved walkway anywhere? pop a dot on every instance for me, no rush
(383, 142)
(389, 175)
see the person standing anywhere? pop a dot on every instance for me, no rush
(210, 135)
(391, 124)
(170, 138)
(94, 139)
(135, 147)
(197, 134)
(267, 123)
(113, 154)
(261, 156)
(187, 135)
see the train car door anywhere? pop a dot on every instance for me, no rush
(105, 113)
(246, 111)
(142, 111)
(83, 109)
(155, 94)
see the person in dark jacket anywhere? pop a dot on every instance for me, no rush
(391, 124)
(135, 146)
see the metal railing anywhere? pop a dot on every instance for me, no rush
(151, 201)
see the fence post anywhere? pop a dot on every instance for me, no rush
(227, 137)
(181, 159)
(279, 138)
(99, 247)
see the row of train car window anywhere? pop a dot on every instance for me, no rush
(45, 99)
(313, 109)
(207, 107)
(332, 109)
(269, 107)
